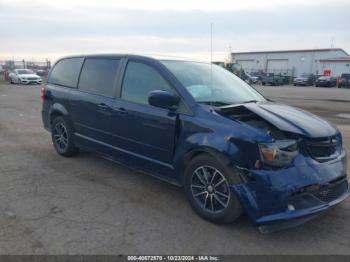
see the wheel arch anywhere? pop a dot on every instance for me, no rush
(221, 157)
(58, 110)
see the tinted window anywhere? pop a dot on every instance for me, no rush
(66, 72)
(139, 80)
(98, 76)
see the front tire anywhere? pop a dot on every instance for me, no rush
(62, 137)
(206, 185)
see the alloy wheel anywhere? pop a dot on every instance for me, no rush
(61, 136)
(210, 189)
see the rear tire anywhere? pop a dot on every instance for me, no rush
(62, 137)
(206, 185)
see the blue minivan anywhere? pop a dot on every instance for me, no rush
(198, 126)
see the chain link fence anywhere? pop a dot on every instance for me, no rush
(41, 68)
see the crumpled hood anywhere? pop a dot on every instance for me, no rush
(291, 119)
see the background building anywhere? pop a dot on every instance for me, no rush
(336, 65)
(294, 62)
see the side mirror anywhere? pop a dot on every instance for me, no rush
(163, 99)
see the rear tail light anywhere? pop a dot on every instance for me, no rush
(42, 94)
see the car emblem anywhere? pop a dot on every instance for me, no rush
(324, 192)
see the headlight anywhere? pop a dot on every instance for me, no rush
(280, 153)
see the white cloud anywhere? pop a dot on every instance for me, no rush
(56, 28)
(181, 5)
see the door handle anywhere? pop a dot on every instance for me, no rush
(103, 106)
(120, 110)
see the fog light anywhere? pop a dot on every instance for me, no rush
(291, 207)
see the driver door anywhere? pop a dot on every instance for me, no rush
(143, 132)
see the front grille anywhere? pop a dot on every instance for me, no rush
(330, 191)
(32, 78)
(324, 149)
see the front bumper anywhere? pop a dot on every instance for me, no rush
(325, 84)
(302, 83)
(276, 199)
(31, 81)
(345, 85)
(290, 219)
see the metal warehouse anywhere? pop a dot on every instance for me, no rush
(294, 62)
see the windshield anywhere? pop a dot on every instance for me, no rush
(345, 76)
(212, 85)
(24, 72)
(305, 75)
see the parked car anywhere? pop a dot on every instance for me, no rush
(326, 81)
(24, 76)
(41, 72)
(304, 80)
(272, 79)
(202, 128)
(344, 80)
(251, 79)
(258, 75)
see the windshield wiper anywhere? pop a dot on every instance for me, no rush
(215, 103)
(250, 101)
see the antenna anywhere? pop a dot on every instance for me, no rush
(211, 42)
(211, 56)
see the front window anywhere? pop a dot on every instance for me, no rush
(24, 72)
(139, 80)
(211, 84)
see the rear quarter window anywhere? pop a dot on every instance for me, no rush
(66, 72)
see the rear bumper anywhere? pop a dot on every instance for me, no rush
(46, 120)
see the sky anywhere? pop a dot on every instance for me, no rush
(39, 29)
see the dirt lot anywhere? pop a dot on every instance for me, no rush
(88, 205)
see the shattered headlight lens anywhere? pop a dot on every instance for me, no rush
(279, 153)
